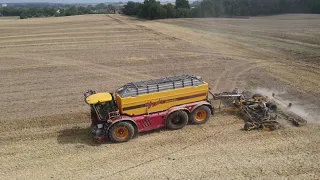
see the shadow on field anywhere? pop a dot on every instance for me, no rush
(78, 135)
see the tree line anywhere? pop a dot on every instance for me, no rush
(66, 10)
(152, 9)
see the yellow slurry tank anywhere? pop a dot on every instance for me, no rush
(157, 95)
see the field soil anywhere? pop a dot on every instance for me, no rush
(47, 64)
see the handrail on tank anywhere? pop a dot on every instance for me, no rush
(172, 82)
(156, 83)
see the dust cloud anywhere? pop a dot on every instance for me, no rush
(311, 116)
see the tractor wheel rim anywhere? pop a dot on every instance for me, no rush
(121, 132)
(200, 115)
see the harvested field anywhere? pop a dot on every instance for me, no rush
(47, 64)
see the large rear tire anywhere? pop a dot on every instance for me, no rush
(177, 120)
(272, 107)
(257, 95)
(200, 115)
(121, 132)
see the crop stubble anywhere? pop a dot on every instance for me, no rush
(46, 65)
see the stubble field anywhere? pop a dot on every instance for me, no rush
(47, 64)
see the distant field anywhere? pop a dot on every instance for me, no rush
(9, 17)
(47, 64)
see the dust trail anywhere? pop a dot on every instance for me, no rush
(313, 117)
(268, 92)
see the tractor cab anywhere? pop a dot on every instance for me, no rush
(103, 105)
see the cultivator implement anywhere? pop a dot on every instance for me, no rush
(287, 114)
(258, 110)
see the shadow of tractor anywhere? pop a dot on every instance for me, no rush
(78, 135)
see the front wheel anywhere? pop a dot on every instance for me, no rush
(200, 115)
(121, 132)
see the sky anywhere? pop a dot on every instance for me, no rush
(58, 1)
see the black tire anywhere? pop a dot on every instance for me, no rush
(272, 107)
(205, 113)
(256, 96)
(177, 120)
(271, 126)
(248, 126)
(121, 132)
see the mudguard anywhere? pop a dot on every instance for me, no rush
(120, 119)
(190, 107)
(203, 103)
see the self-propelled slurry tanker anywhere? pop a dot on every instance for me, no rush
(169, 102)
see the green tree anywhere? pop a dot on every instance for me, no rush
(206, 7)
(100, 6)
(156, 11)
(183, 13)
(90, 8)
(23, 15)
(171, 11)
(182, 4)
(196, 12)
(132, 8)
(71, 11)
(144, 13)
(111, 8)
(315, 6)
(83, 10)
(11, 11)
(216, 8)
(62, 12)
(49, 11)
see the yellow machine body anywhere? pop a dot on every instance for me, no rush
(160, 101)
(99, 98)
